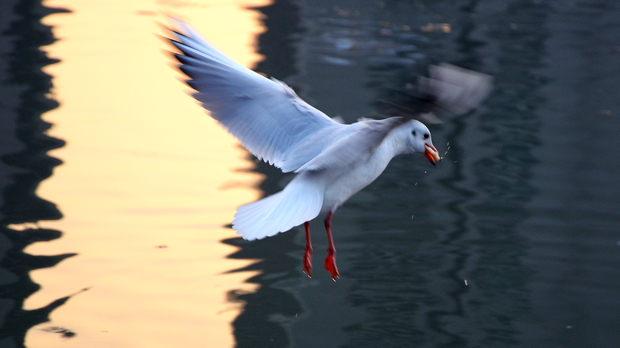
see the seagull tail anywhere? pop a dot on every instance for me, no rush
(300, 201)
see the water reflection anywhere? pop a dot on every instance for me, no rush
(25, 89)
(142, 189)
(511, 241)
(446, 257)
(267, 310)
(512, 128)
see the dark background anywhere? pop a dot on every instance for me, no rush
(24, 163)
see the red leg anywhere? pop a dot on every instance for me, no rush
(308, 253)
(330, 260)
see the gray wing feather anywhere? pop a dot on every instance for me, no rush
(354, 147)
(456, 89)
(267, 117)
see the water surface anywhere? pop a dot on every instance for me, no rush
(512, 241)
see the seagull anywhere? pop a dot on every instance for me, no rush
(332, 161)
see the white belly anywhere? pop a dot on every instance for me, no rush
(342, 183)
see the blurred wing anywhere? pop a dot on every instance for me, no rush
(354, 147)
(448, 88)
(456, 89)
(267, 117)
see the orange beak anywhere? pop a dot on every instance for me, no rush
(431, 153)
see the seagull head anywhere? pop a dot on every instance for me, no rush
(420, 140)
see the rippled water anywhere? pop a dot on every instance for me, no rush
(512, 241)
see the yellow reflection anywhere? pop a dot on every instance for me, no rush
(139, 187)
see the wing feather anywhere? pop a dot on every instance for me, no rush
(267, 117)
(354, 147)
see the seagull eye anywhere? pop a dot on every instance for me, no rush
(426, 135)
(413, 133)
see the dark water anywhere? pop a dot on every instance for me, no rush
(512, 241)
(24, 90)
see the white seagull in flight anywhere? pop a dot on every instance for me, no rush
(333, 161)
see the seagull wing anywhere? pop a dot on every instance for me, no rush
(448, 88)
(354, 147)
(456, 89)
(266, 115)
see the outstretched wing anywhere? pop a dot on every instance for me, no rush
(456, 89)
(448, 88)
(269, 119)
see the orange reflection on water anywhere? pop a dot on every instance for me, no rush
(140, 189)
